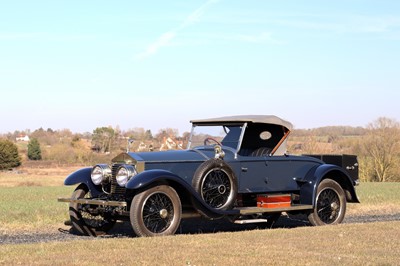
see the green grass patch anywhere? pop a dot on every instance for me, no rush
(32, 208)
(377, 193)
(376, 198)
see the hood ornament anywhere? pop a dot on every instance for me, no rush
(128, 147)
(219, 153)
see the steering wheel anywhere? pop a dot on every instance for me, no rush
(206, 140)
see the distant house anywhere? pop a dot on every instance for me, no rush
(171, 144)
(23, 138)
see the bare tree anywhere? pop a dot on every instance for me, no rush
(382, 144)
(103, 139)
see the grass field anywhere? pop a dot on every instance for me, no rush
(34, 208)
(347, 244)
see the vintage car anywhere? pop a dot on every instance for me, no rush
(234, 167)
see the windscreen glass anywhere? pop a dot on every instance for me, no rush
(228, 135)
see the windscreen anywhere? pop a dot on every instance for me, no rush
(227, 135)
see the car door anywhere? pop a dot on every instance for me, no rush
(271, 173)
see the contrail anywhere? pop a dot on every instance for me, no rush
(168, 36)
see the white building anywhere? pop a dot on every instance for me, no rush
(23, 138)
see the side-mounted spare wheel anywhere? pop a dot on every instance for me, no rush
(85, 222)
(156, 211)
(216, 183)
(330, 204)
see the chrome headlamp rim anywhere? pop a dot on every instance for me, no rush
(100, 173)
(124, 173)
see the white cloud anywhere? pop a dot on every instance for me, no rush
(197, 14)
(166, 38)
(162, 41)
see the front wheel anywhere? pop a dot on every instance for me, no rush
(156, 212)
(83, 221)
(330, 204)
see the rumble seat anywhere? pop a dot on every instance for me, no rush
(263, 151)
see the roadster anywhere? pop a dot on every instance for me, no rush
(235, 168)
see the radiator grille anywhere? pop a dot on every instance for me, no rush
(115, 188)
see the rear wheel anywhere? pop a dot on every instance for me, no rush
(85, 222)
(330, 204)
(156, 212)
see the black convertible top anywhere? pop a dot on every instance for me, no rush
(264, 119)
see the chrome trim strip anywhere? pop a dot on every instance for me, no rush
(240, 139)
(190, 138)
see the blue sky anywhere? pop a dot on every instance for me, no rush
(157, 64)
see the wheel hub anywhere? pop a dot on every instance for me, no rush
(221, 189)
(163, 213)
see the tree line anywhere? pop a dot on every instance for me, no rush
(377, 145)
(63, 147)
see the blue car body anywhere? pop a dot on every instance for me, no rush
(229, 177)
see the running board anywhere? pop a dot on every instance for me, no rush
(253, 210)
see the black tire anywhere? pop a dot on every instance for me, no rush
(272, 219)
(156, 212)
(85, 223)
(330, 204)
(216, 183)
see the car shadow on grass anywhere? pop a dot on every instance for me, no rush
(199, 226)
(204, 226)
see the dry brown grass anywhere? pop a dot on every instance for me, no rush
(347, 244)
(36, 176)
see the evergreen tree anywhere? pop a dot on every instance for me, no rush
(9, 156)
(34, 151)
(148, 135)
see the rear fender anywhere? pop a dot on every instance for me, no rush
(153, 177)
(82, 176)
(308, 190)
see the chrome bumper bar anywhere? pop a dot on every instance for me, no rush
(95, 202)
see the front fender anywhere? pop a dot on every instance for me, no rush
(83, 176)
(149, 177)
(308, 190)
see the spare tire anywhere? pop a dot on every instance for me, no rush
(216, 183)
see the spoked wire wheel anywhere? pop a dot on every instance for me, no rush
(216, 184)
(156, 212)
(216, 188)
(330, 205)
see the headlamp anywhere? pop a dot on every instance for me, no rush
(100, 173)
(124, 173)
